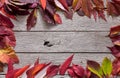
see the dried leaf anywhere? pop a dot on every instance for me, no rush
(65, 65)
(32, 19)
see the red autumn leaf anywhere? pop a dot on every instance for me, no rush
(114, 31)
(21, 71)
(116, 67)
(98, 3)
(115, 50)
(8, 15)
(80, 12)
(32, 19)
(8, 54)
(64, 3)
(57, 19)
(15, 73)
(116, 1)
(101, 15)
(69, 2)
(5, 21)
(33, 71)
(65, 65)
(69, 14)
(77, 5)
(7, 37)
(52, 71)
(46, 17)
(71, 72)
(43, 4)
(79, 70)
(87, 7)
(111, 9)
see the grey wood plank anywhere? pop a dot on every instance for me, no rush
(62, 42)
(76, 24)
(2, 76)
(58, 58)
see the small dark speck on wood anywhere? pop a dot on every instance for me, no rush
(48, 44)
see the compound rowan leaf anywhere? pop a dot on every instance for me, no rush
(65, 65)
(32, 19)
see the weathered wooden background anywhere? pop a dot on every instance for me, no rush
(82, 36)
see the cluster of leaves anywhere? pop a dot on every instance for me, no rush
(7, 42)
(47, 70)
(49, 8)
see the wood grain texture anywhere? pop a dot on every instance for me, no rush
(76, 24)
(62, 41)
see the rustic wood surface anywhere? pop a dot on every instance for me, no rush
(82, 36)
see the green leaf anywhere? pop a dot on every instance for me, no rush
(107, 66)
(95, 68)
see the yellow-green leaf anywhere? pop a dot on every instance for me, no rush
(107, 66)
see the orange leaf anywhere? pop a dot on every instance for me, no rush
(7, 54)
(43, 3)
(57, 19)
(21, 71)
